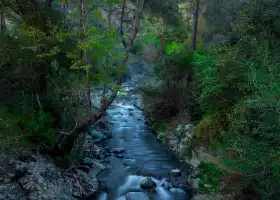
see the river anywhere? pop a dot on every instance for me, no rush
(143, 157)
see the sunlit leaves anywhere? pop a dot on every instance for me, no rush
(172, 48)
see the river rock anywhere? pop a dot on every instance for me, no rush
(136, 196)
(118, 150)
(147, 183)
(175, 173)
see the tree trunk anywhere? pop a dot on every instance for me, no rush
(83, 53)
(105, 86)
(194, 26)
(122, 17)
(2, 20)
(67, 141)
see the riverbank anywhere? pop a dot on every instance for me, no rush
(31, 175)
(208, 178)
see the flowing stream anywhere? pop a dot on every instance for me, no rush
(143, 157)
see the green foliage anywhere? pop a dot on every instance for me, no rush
(219, 20)
(37, 128)
(36, 125)
(178, 62)
(50, 57)
(209, 174)
(208, 83)
(170, 97)
(159, 127)
(30, 126)
(149, 91)
(168, 10)
(210, 126)
(137, 47)
(240, 80)
(172, 48)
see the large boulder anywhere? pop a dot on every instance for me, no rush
(147, 183)
(136, 196)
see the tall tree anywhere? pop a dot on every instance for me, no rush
(194, 25)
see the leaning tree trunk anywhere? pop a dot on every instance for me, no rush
(68, 138)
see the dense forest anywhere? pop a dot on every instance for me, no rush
(215, 64)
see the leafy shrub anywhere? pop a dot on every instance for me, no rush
(37, 126)
(159, 127)
(241, 81)
(210, 174)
